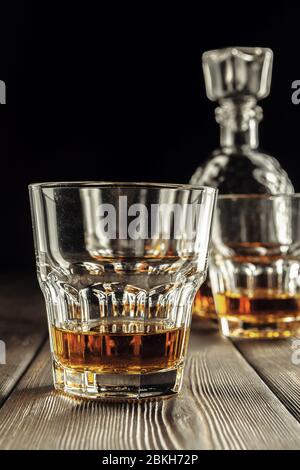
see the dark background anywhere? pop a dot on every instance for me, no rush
(116, 92)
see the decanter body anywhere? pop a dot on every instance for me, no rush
(237, 78)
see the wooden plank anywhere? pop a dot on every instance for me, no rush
(273, 362)
(22, 328)
(224, 405)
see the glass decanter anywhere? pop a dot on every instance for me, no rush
(237, 77)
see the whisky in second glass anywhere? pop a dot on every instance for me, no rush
(255, 265)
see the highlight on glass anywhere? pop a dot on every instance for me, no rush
(119, 265)
(255, 265)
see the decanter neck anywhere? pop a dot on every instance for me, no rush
(239, 121)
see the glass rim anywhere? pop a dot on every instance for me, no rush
(257, 197)
(120, 184)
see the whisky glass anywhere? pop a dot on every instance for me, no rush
(119, 265)
(255, 265)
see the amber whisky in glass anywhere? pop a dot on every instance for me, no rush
(121, 347)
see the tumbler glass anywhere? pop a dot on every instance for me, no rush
(255, 265)
(119, 265)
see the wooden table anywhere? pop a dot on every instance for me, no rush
(241, 395)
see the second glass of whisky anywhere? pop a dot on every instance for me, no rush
(119, 265)
(255, 265)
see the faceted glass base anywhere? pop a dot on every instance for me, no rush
(118, 386)
(236, 328)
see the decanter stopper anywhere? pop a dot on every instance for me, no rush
(237, 72)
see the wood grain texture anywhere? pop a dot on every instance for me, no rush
(273, 362)
(22, 328)
(224, 405)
